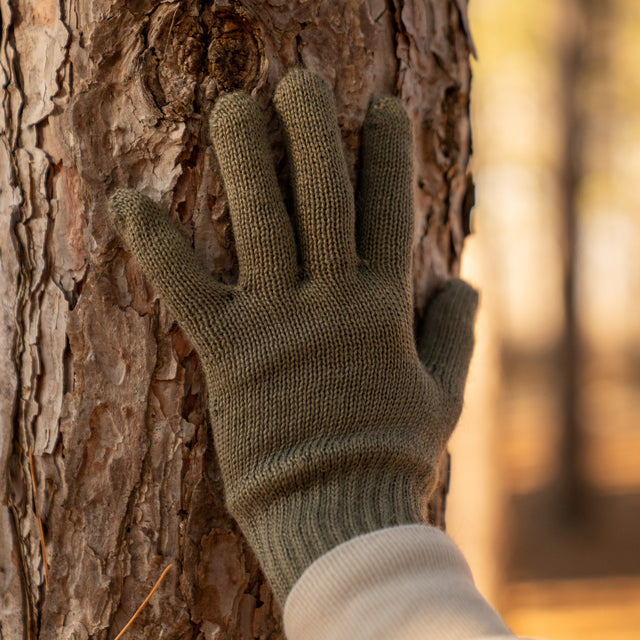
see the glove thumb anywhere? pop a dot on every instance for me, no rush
(445, 340)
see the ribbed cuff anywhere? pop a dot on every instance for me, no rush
(406, 583)
(294, 531)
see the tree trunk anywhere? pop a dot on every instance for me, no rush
(571, 483)
(99, 381)
(583, 54)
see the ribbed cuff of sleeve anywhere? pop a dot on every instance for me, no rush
(408, 582)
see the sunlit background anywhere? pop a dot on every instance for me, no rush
(545, 497)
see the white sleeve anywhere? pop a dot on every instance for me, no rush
(402, 583)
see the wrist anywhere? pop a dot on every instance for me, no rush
(304, 520)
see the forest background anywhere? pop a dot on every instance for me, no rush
(545, 495)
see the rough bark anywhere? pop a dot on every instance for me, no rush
(98, 379)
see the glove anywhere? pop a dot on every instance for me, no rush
(328, 420)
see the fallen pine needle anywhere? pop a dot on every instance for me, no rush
(35, 500)
(144, 602)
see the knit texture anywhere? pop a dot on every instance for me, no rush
(326, 422)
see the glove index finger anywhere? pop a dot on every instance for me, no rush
(446, 337)
(385, 199)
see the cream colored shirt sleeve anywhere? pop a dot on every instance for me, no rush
(403, 583)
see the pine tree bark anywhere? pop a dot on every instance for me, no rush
(99, 381)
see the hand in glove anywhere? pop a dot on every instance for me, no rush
(328, 419)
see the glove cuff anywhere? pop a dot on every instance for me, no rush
(296, 529)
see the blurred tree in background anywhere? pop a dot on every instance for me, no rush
(556, 124)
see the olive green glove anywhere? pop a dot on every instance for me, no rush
(327, 420)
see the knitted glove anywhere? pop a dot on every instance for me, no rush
(328, 421)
